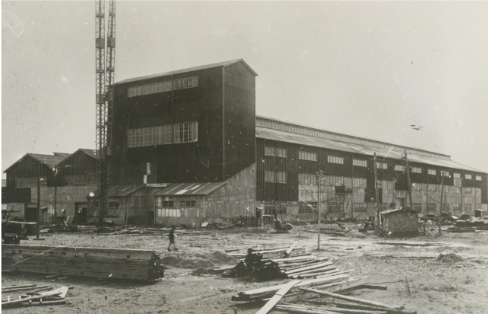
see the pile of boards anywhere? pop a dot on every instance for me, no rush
(32, 295)
(280, 263)
(87, 262)
(316, 296)
(329, 231)
(156, 231)
(468, 226)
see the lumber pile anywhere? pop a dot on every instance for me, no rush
(87, 262)
(317, 296)
(33, 295)
(257, 267)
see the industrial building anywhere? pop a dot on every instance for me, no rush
(187, 147)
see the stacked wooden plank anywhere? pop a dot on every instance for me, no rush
(87, 262)
(33, 295)
(302, 266)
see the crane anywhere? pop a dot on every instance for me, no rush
(105, 65)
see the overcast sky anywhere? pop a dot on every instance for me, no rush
(362, 68)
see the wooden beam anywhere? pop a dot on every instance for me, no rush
(277, 297)
(351, 299)
(291, 248)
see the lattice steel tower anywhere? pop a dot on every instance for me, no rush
(105, 64)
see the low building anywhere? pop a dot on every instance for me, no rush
(399, 222)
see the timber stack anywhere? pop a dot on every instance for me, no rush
(33, 295)
(86, 262)
(261, 266)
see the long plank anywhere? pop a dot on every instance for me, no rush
(299, 270)
(354, 300)
(291, 248)
(292, 259)
(303, 295)
(277, 297)
(327, 309)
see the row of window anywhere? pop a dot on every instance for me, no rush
(447, 188)
(160, 135)
(339, 137)
(161, 87)
(171, 204)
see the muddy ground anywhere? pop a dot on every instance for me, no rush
(424, 285)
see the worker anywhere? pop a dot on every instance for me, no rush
(172, 239)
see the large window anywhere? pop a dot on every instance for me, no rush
(468, 177)
(306, 179)
(161, 135)
(431, 172)
(335, 160)
(457, 175)
(307, 156)
(185, 132)
(478, 178)
(381, 165)
(187, 203)
(359, 163)
(431, 187)
(445, 173)
(280, 177)
(281, 152)
(269, 151)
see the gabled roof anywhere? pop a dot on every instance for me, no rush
(202, 67)
(186, 189)
(309, 140)
(89, 152)
(121, 190)
(49, 160)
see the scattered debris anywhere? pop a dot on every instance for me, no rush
(36, 298)
(449, 257)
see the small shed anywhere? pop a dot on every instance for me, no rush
(400, 222)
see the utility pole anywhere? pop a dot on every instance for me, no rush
(320, 174)
(377, 224)
(442, 196)
(408, 180)
(38, 198)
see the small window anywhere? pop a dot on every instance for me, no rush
(359, 163)
(478, 178)
(167, 204)
(468, 177)
(269, 176)
(187, 203)
(432, 172)
(281, 152)
(445, 173)
(431, 187)
(280, 177)
(416, 170)
(269, 151)
(335, 160)
(359, 183)
(307, 156)
(381, 165)
(399, 168)
(417, 186)
(457, 175)
(456, 189)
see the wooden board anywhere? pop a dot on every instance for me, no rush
(277, 297)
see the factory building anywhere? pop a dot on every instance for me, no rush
(188, 147)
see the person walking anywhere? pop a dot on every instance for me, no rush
(172, 239)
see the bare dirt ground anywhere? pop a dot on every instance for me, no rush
(424, 285)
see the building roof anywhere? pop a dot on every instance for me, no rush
(121, 190)
(204, 188)
(89, 152)
(397, 210)
(202, 67)
(49, 160)
(309, 140)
